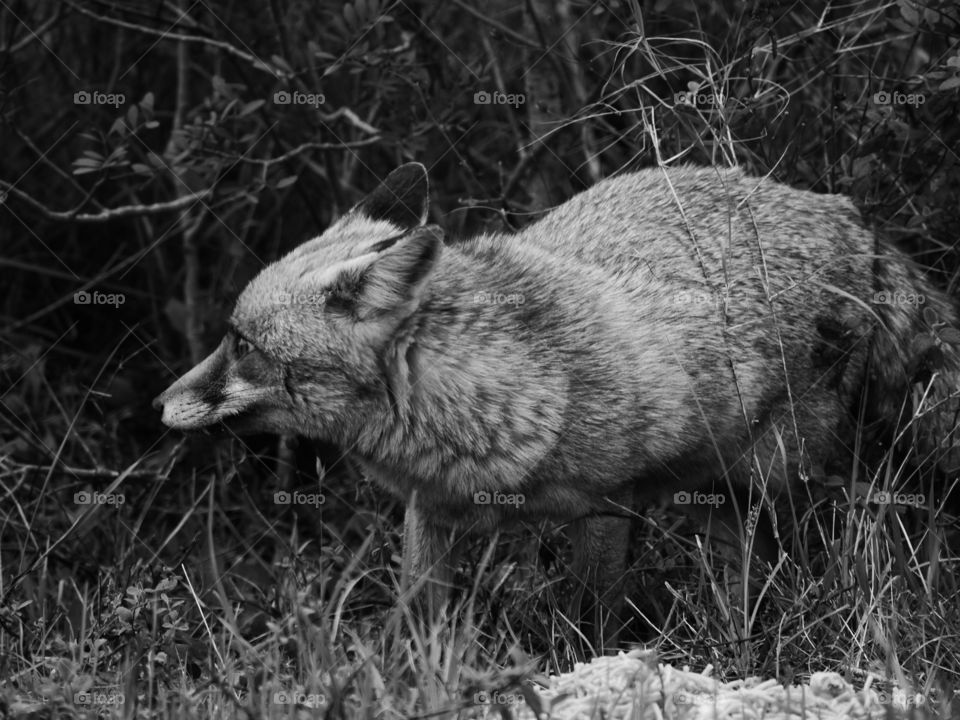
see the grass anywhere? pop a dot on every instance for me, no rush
(228, 604)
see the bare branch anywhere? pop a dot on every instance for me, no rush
(33, 34)
(106, 215)
(500, 27)
(299, 150)
(258, 63)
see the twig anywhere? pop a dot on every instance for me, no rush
(110, 214)
(300, 149)
(168, 35)
(89, 472)
(33, 34)
(500, 27)
(188, 222)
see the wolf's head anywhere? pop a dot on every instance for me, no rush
(308, 335)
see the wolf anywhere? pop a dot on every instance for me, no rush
(671, 331)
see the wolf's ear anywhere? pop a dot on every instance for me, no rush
(397, 277)
(402, 198)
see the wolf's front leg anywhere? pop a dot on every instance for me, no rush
(599, 567)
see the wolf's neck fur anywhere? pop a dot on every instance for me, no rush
(471, 391)
(502, 357)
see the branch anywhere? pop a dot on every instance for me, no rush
(512, 34)
(106, 215)
(299, 150)
(167, 35)
(34, 34)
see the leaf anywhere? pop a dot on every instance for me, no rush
(117, 153)
(250, 107)
(133, 114)
(950, 83)
(168, 583)
(141, 169)
(285, 182)
(951, 336)
(901, 25)
(908, 12)
(147, 103)
(281, 63)
(350, 16)
(929, 315)
(119, 127)
(920, 344)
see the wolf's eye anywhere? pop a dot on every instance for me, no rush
(243, 347)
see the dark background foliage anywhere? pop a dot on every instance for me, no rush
(162, 153)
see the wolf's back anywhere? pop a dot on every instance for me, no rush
(784, 293)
